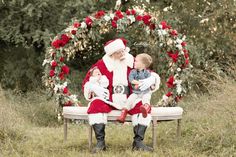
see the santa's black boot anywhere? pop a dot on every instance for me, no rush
(99, 130)
(139, 132)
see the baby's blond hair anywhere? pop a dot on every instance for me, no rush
(146, 59)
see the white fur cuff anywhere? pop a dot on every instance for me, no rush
(138, 119)
(97, 118)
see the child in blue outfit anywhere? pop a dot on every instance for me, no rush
(142, 62)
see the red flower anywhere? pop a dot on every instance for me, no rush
(51, 73)
(65, 69)
(62, 59)
(174, 56)
(115, 18)
(113, 23)
(76, 24)
(99, 14)
(139, 18)
(170, 82)
(61, 76)
(183, 43)
(133, 12)
(146, 19)
(54, 64)
(68, 103)
(65, 90)
(57, 44)
(73, 32)
(186, 61)
(88, 21)
(186, 54)
(174, 33)
(119, 14)
(65, 39)
(128, 12)
(152, 26)
(164, 25)
(169, 94)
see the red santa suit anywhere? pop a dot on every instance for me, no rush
(119, 88)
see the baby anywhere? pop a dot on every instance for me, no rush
(98, 79)
(142, 62)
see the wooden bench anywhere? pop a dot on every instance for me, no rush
(158, 114)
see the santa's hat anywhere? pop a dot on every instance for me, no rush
(115, 45)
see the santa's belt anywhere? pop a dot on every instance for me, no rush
(120, 89)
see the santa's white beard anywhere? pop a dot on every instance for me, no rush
(120, 73)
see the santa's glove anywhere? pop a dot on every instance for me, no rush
(99, 91)
(146, 83)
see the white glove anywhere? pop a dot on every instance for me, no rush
(99, 91)
(146, 83)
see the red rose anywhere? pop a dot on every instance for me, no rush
(146, 19)
(76, 24)
(174, 56)
(61, 76)
(51, 73)
(139, 18)
(186, 55)
(54, 64)
(65, 90)
(133, 12)
(65, 69)
(119, 14)
(65, 39)
(57, 44)
(169, 94)
(183, 44)
(99, 14)
(73, 32)
(68, 103)
(185, 51)
(170, 82)
(115, 18)
(186, 61)
(62, 59)
(113, 23)
(128, 12)
(88, 21)
(164, 25)
(174, 33)
(152, 26)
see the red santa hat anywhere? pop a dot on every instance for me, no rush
(115, 45)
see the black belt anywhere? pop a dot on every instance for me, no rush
(120, 89)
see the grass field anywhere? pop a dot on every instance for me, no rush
(29, 128)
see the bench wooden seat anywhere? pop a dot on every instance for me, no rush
(158, 114)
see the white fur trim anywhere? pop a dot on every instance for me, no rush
(114, 46)
(97, 118)
(158, 81)
(138, 119)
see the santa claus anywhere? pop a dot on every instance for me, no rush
(116, 65)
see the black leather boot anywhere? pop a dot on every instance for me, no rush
(99, 130)
(139, 132)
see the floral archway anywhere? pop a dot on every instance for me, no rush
(72, 40)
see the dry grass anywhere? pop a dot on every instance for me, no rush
(29, 128)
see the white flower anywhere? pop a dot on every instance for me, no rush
(83, 25)
(107, 18)
(69, 29)
(164, 98)
(45, 61)
(112, 16)
(179, 46)
(166, 9)
(73, 98)
(179, 89)
(169, 41)
(132, 18)
(179, 41)
(64, 84)
(178, 69)
(162, 32)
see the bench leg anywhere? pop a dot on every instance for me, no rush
(154, 131)
(178, 133)
(90, 134)
(65, 129)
